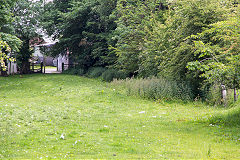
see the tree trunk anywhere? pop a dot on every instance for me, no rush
(235, 94)
(25, 68)
(24, 55)
(235, 90)
(224, 94)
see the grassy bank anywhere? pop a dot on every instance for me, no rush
(65, 116)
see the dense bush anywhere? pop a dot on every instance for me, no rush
(112, 74)
(95, 72)
(213, 95)
(75, 71)
(157, 88)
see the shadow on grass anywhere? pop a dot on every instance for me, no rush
(230, 118)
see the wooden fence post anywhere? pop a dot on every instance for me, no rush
(62, 67)
(9, 67)
(33, 67)
(41, 67)
(57, 64)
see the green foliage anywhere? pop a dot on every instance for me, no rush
(26, 21)
(185, 18)
(157, 88)
(75, 71)
(26, 18)
(154, 42)
(213, 95)
(85, 29)
(95, 72)
(149, 38)
(8, 42)
(135, 20)
(51, 20)
(107, 74)
(4, 48)
(111, 74)
(5, 11)
(13, 42)
(217, 49)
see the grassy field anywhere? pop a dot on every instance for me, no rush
(64, 116)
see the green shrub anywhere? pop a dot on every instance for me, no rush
(111, 74)
(75, 71)
(95, 72)
(80, 72)
(214, 95)
(157, 88)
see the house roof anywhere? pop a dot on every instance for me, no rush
(36, 41)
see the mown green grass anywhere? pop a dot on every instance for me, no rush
(50, 67)
(100, 121)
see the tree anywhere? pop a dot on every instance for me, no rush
(26, 15)
(5, 11)
(8, 42)
(185, 18)
(218, 52)
(152, 36)
(84, 28)
(134, 24)
(51, 20)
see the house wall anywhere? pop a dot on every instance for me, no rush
(12, 68)
(37, 53)
(62, 59)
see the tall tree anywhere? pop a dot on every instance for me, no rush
(26, 14)
(218, 52)
(173, 51)
(51, 20)
(134, 25)
(84, 28)
(8, 42)
(5, 11)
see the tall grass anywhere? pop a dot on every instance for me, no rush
(214, 97)
(229, 118)
(156, 88)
